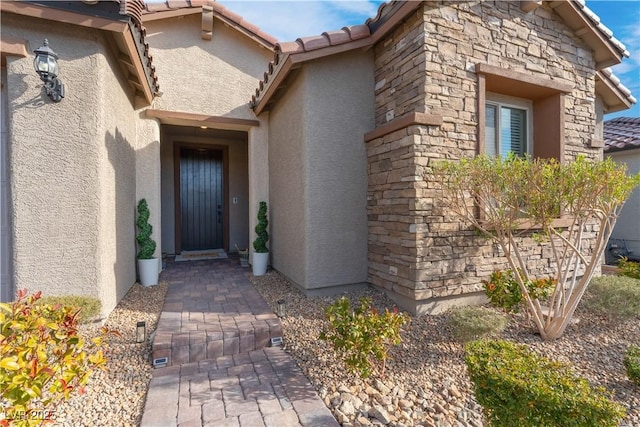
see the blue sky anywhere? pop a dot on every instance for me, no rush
(288, 20)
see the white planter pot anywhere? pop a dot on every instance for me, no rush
(260, 262)
(149, 270)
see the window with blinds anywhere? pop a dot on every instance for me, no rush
(506, 130)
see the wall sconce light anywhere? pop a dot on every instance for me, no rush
(141, 332)
(46, 65)
(282, 308)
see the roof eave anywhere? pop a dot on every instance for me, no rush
(605, 52)
(121, 30)
(294, 61)
(613, 98)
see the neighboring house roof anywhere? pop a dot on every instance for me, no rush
(172, 8)
(621, 134)
(289, 55)
(121, 18)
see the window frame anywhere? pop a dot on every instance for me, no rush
(513, 102)
(547, 96)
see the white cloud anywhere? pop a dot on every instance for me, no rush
(288, 20)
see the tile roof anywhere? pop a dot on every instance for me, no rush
(385, 11)
(604, 30)
(326, 39)
(134, 9)
(226, 15)
(607, 74)
(621, 133)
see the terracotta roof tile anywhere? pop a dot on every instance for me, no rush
(385, 11)
(314, 42)
(621, 133)
(135, 9)
(337, 37)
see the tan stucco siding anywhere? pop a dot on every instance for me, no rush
(215, 77)
(70, 167)
(340, 98)
(288, 182)
(258, 165)
(628, 226)
(116, 141)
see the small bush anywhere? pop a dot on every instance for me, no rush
(362, 335)
(470, 323)
(629, 268)
(616, 297)
(632, 363)
(42, 357)
(504, 292)
(89, 307)
(519, 388)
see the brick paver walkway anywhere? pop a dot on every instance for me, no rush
(249, 385)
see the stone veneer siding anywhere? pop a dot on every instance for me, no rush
(418, 251)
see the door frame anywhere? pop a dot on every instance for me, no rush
(177, 147)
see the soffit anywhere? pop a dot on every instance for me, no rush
(120, 18)
(607, 50)
(179, 118)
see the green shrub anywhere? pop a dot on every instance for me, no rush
(260, 243)
(42, 357)
(89, 307)
(362, 335)
(504, 292)
(519, 388)
(629, 268)
(470, 323)
(616, 297)
(632, 363)
(146, 245)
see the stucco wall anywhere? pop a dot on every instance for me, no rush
(71, 167)
(211, 77)
(628, 226)
(288, 182)
(116, 141)
(238, 188)
(340, 99)
(318, 173)
(6, 253)
(215, 77)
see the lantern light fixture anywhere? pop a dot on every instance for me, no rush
(46, 65)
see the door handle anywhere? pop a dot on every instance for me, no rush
(219, 214)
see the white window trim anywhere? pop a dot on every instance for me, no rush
(500, 100)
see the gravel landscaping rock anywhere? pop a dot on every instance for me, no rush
(425, 382)
(116, 397)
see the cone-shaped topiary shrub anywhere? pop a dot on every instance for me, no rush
(146, 245)
(260, 243)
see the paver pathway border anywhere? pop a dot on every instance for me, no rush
(262, 387)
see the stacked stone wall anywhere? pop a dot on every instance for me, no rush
(417, 248)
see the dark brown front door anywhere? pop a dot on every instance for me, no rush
(201, 198)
